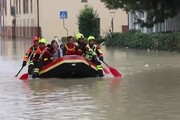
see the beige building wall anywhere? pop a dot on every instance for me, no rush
(50, 21)
(52, 24)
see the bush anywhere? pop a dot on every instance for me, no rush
(100, 40)
(168, 41)
(64, 39)
(87, 21)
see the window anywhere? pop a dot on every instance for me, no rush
(31, 4)
(13, 11)
(141, 14)
(10, 3)
(25, 6)
(12, 8)
(17, 7)
(84, 0)
(5, 6)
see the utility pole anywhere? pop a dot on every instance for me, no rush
(112, 21)
(65, 27)
(38, 28)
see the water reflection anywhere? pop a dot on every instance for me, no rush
(67, 99)
(14, 47)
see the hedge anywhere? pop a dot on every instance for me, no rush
(153, 41)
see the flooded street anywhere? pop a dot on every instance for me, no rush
(148, 90)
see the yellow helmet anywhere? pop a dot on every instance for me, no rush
(91, 38)
(78, 36)
(42, 40)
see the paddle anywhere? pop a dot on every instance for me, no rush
(24, 66)
(106, 71)
(25, 76)
(19, 71)
(114, 72)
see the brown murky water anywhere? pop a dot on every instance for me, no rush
(149, 89)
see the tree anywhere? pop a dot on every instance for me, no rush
(157, 10)
(87, 21)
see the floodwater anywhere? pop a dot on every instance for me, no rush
(148, 90)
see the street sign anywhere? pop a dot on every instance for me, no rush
(63, 14)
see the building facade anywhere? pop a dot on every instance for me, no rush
(18, 18)
(170, 24)
(24, 18)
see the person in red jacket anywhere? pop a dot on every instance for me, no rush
(94, 54)
(42, 57)
(29, 55)
(70, 47)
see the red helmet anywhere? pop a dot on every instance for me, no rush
(36, 39)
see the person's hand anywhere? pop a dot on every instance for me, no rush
(24, 63)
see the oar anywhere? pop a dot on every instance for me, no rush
(114, 72)
(24, 66)
(106, 71)
(25, 76)
(19, 71)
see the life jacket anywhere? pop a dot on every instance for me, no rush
(43, 55)
(93, 51)
(70, 51)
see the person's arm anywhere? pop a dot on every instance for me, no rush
(27, 55)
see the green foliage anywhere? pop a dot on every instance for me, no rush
(64, 39)
(87, 21)
(153, 41)
(100, 40)
(157, 10)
